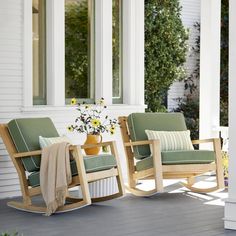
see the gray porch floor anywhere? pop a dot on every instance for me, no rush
(176, 213)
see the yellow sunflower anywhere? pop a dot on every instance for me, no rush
(95, 122)
(87, 106)
(112, 130)
(102, 102)
(70, 128)
(73, 101)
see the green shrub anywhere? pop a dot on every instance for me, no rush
(189, 105)
(224, 63)
(165, 50)
(10, 234)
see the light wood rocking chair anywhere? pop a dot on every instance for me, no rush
(81, 178)
(141, 165)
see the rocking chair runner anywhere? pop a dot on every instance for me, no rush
(20, 137)
(184, 164)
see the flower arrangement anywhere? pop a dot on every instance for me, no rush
(225, 162)
(91, 119)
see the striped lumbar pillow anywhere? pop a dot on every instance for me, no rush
(171, 140)
(44, 142)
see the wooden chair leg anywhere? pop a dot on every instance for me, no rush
(77, 153)
(158, 175)
(191, 181)
(157, 164)
(119, 177)
(219, 164)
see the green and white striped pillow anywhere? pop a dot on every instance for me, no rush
(44, 142)
(171, 140)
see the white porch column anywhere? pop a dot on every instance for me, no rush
(27, 55)
(55, 52)
(230, 204)
(133, 52)
(103, 50)
(210, 68)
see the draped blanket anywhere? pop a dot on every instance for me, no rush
(55, 175)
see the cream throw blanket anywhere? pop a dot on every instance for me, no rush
(55, 175)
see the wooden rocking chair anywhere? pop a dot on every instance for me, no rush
(165, 165)
(20, 137)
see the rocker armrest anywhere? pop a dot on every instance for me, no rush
(109, 143)
(72, 147)
(141, 143)
(211, 140)
(27, 154)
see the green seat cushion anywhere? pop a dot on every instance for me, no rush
(92, 164)
(178, 158)
(25, 134)
(139, 122)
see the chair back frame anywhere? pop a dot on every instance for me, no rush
(81, 179)
(189, 171)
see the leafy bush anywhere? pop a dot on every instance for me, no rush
(76, 49)
(189, 105)
(165, 50)
(10, 234)
(224, 63)
(190, 108)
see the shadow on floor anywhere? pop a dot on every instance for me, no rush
(175, 212)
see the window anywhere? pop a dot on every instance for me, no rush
(79, 79)
(73, 75)
(39, 51)
(116, 48)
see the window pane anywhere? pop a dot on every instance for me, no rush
(78, 81)
(39, 51)
(116, 44)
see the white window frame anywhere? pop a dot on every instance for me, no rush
(133, 52)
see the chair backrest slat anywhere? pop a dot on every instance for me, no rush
(126, 139)
(7, 140)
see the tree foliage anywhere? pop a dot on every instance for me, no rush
(165, 50)
(189, 105)
(224, 67)
(77, 49)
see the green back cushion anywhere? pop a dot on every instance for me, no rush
(25, 134)
(139, 122)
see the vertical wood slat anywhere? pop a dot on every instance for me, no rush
(128, 150)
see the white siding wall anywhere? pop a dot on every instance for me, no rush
(11, 87)
(11, 95)
(10, 84)
(190, 15)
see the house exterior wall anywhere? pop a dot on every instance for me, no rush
(190, 15)
(13, 84)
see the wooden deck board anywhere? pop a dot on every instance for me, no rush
(168, 214)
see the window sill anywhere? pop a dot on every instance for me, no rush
(44, 108)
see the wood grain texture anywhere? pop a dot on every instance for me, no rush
(166, 214)
(158, 172)
(82, 179)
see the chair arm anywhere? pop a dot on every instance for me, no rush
(140, 143)
(72, 147)
(33, 153)
(211, 140)
(109, 143)
(27, 154)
